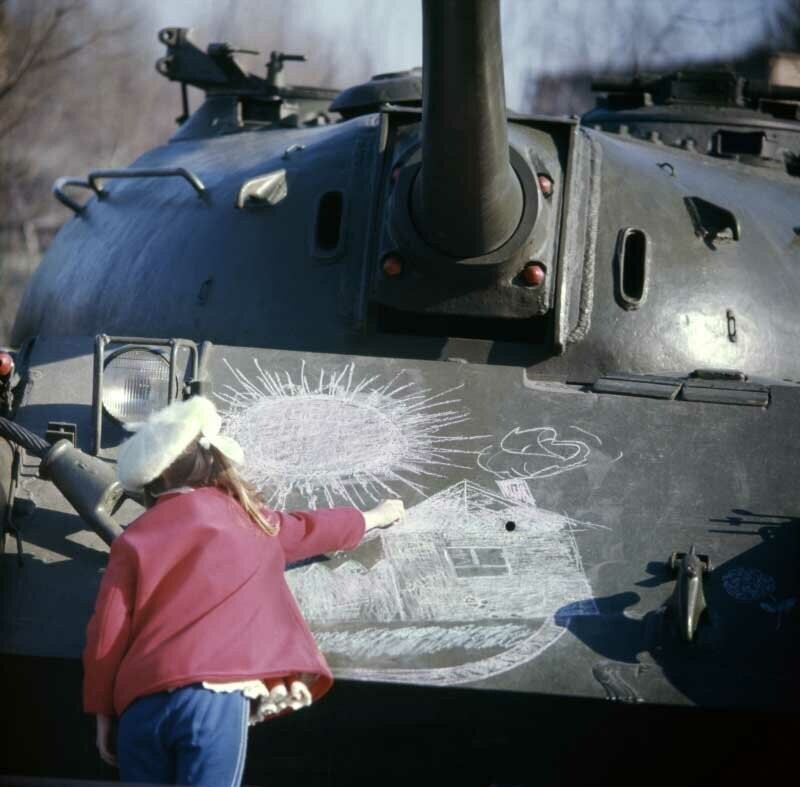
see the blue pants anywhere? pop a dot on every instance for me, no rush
(188, 736)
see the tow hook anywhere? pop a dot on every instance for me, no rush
(688, 601)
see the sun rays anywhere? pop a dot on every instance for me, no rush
(332, 437)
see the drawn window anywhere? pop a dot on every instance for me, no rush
(477, 562)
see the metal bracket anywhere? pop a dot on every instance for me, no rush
(263, 191)
(688, 602)
(712, 222)
(61, 430)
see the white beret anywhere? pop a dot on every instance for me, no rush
(160, 440)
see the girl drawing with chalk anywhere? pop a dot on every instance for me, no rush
(195, 633)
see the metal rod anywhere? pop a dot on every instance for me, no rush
(100, 342)
(174, 172)
(185, 103)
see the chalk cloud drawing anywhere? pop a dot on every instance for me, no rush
(339, 438)
(450, 595)
(534, 453)
(540, 452)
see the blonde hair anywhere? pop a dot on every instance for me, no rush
(198, 467)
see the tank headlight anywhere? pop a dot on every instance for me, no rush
(135, 383)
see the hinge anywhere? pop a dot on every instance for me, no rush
(716, 386)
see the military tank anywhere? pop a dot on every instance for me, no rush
(568, 345)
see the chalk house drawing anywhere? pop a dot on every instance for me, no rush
(339, 439)
(453, 595)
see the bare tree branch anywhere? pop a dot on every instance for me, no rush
(74, 49)
(32, 53)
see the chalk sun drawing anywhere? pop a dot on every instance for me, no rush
(335, 437)
(451, 595)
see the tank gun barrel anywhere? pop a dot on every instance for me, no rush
(466, 201)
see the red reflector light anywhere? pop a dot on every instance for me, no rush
(533, 274)
(392, 265)
(6, 364)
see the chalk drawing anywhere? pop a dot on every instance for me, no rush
(748, 584)
(617, 678)
(339, 438)
(450, 595)
(534, 453)
(516, 489)
(754, 585)
(778, 608)
(450, 580)
(539, 452)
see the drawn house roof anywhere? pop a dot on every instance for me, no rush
(468, 509)
(454, 559)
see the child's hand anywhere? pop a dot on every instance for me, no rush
(387, 512)
(299, 695)
(280, 698)
(104, 740)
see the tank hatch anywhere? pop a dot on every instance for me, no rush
(397, 88)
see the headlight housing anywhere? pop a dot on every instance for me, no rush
(135, 383)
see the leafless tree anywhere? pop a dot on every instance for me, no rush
(34, 38)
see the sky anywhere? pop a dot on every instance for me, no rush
(540, 36)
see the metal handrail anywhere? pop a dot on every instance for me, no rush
(63, 183)
(174, 172)
(92, 182)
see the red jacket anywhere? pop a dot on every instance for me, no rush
(195, 591)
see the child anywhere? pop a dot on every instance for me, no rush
(195, 631)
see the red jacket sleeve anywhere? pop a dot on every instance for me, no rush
(108, 632)
(307, 533)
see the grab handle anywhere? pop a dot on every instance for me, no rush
(175, 172)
